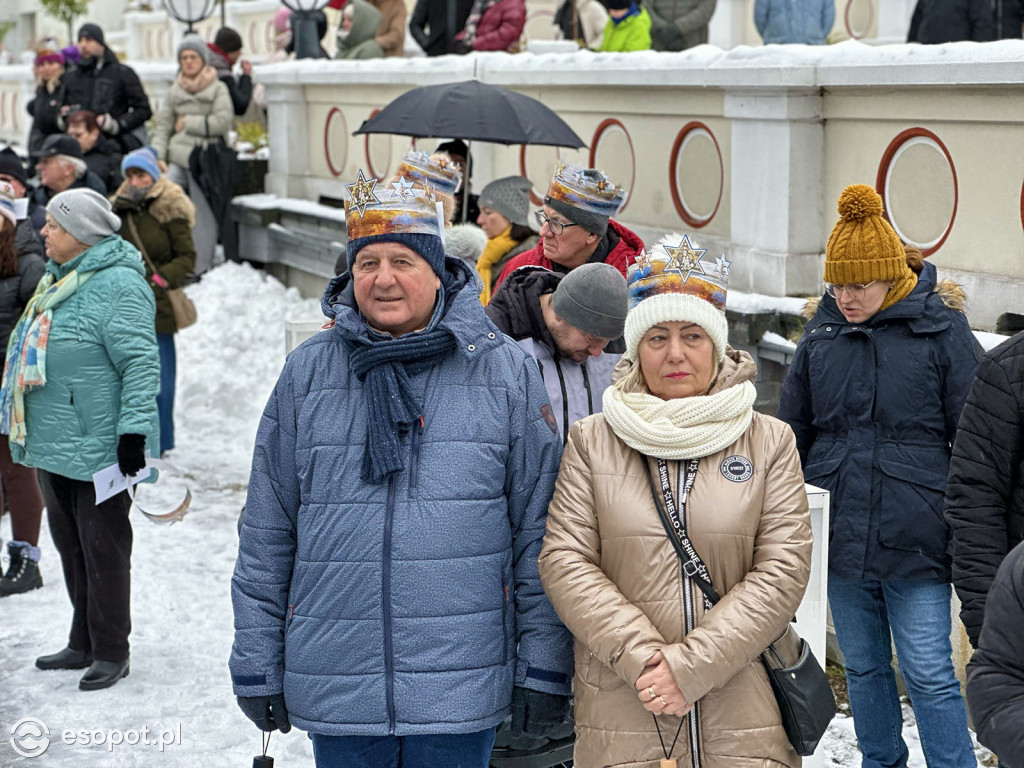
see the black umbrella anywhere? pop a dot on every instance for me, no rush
(214, 168)
(472, 111)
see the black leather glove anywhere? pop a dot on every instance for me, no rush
(535, 713)
(268, 712)
(460, 47)
(131, 454)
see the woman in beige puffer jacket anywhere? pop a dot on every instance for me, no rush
(197, 110)
(613, 575)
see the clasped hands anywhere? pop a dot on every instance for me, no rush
(657, 689)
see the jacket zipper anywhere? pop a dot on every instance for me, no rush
(78, 413)
(389, 665)
(417, 437)
(690, 622)
(565, 402)
(586, 386)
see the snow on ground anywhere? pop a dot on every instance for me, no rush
(181, 608)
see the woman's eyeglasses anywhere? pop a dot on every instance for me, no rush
(853, 290)
(556, 227)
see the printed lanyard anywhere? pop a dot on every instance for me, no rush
(694, 568)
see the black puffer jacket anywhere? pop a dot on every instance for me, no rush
(109, 87)
(25, 240)
(985, 498)
(45, 109)
(16, 290)
(949, 21)
(104, 159)
(995, 674)
(1009, 16)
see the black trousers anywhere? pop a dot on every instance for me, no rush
(95, 546)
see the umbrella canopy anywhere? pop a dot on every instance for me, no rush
(214, 169)
(472, 111)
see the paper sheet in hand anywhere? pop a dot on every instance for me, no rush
(110, 482)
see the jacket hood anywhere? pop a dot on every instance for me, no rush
(626, 236)
(515, 307)
(220, 63)
(949, 294)
(165, 202)
(112, 251)
(459, 315)
(365, 20)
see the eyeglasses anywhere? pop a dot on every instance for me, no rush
(556, 227)
(853, 290)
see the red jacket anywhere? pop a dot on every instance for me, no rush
(629, 246)
(500, 27)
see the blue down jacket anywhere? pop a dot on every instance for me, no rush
(874, 407)
(794, 21)
(409, 607)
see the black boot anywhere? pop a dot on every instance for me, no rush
(22, 574)
(69, 658)
(103, 674)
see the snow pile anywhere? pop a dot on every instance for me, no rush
(181, 607)
(228, 363)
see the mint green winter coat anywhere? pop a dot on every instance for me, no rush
(630, 34)
(102, 368)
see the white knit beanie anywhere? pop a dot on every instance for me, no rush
(671, 284)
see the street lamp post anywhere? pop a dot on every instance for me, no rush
(189, 12)
(306, 38)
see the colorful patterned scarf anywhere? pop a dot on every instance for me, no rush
(480, 7)
(26, 351)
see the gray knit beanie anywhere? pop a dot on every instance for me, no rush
(193, 43)
(593, 298)
(509, 196)
(84, 214)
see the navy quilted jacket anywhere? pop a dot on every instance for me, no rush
(409, 607)
(874, 407)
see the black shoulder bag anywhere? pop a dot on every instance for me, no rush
(800, 685)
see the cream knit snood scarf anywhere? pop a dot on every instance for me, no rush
(683, 428)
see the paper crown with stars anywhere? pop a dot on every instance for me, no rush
(670, 283)
(403, 206)
(585, 196)
(438, 173)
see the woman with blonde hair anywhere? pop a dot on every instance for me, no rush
(678, 447)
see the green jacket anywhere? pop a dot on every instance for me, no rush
(631, 34)
(102, 368)
(164, 220)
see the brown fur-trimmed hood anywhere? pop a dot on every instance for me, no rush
(167, 201)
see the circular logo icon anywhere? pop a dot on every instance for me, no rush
(737, 468)
(30, 737)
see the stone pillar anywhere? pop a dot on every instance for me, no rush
(286, 125)
(776, 179)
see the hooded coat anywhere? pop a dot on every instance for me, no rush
(500, 27)
(874, 406)
(574, 389)
(616, 581)
(164, 220)
(360, 42)
(102, 368)
(985, 498)
(369, 605)
(619, 247)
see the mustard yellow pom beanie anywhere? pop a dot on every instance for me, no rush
(863, 246)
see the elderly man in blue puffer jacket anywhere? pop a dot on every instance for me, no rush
(386, 594)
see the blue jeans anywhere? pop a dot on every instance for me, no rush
(451, 750)
(165, 397)
(918, 615)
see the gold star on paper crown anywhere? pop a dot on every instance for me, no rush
(685, 259)
(643, 259)
(362, 193)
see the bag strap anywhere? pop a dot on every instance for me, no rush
(138, 241)
(674, 522)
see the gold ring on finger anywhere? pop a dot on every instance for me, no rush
(664, 703)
